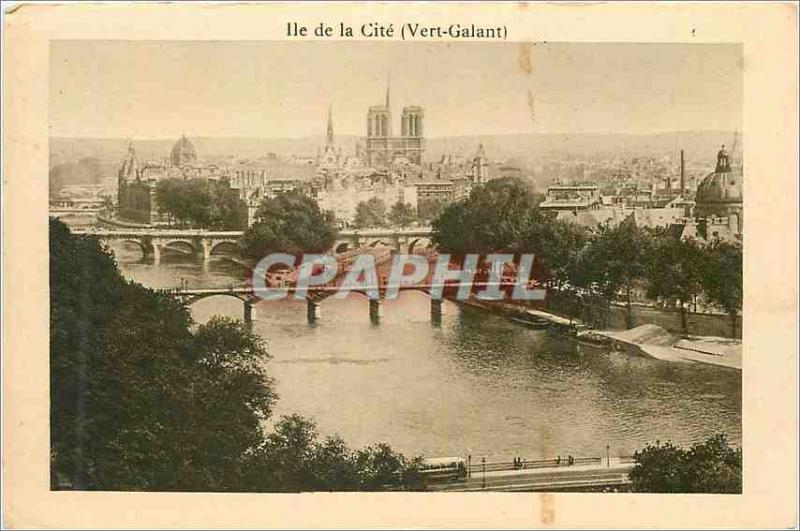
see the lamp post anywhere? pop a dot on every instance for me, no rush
(608, 457)
(483, 465)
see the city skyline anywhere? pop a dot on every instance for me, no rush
(148, 90)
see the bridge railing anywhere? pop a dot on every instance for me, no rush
(498, 466)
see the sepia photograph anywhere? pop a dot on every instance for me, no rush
(286, 267)
(407, 265)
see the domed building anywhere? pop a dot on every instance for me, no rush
(719, 209)
(183, 152)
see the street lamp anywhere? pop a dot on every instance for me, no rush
(483, 464)
(608, 458)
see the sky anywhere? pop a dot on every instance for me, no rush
(281, 89)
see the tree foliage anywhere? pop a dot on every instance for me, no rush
(586, 270)
(204, 203)
(291, 222)
(293, 458)
(138, 400)
(709, 467)
(674, 272)
(430, 209)
(560, 246)
(616, 261)
(371, 213)
(492, 219)
(142, 400)
(722, 278)
(401, 215)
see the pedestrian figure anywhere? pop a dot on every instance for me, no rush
(558, 461)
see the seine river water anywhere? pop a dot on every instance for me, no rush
(475, 384)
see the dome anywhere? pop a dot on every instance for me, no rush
(183, 152)
(720, 187)
(720, 192)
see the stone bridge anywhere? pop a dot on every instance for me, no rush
(204, 242)
(154, 241)
(404, 241)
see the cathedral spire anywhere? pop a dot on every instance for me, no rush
(330, 125)
(388, 86)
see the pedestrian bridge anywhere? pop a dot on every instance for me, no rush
(315, 295)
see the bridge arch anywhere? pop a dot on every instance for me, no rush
(138, 243)
(197, 298)
(232, 247)
(385, 241)
(175, 245)
(248, 302)
(422, 240)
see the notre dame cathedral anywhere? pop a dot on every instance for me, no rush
(382, 147)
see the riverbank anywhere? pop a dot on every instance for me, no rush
(530, 317)
(646, 340)
(655, 342)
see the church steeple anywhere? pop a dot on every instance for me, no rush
(388, 87)
(330, 125)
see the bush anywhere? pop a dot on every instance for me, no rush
(711, 467)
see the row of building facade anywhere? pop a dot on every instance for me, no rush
(393, 168)
(386, 166)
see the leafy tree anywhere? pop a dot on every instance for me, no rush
(371, 213)
(401, 215)
(708, 467)
(138, 400)
(293, 459)
(674, 271)
(205, 203)
(616, 258)
(722, 278)
(492, 219)
(430, 209)
(291, 222)
(560, 248)
(141, 401)
(227, 211)
(560, 245)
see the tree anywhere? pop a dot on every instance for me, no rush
(722, 278)
(138, 400)
(142, 400)
(205, 203)
(371, 213)
(430, 209)
(674, 272)
(401, 215)
(293, 459)
(560, 245)
(492, 219)
(616, 258)
(186, 201)
(708, 467)
(291, 222)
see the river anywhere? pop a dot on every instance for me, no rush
(473, 384)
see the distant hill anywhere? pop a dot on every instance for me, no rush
(700, 146)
